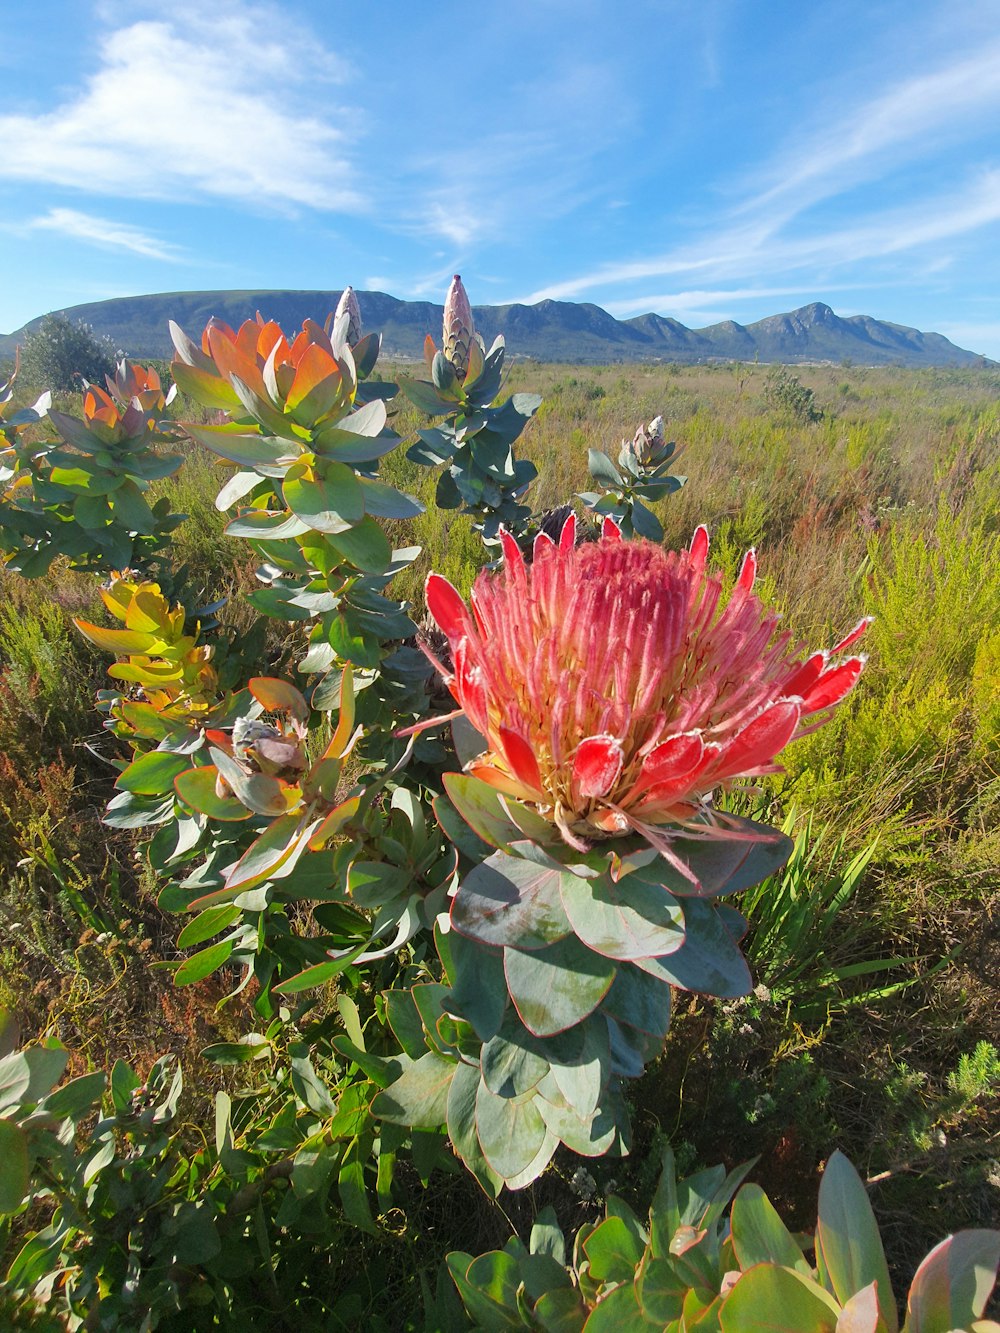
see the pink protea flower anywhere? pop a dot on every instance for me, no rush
(614, 693)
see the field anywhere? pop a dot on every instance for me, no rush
(873, 1027)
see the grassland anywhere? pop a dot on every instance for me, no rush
(874, 1027)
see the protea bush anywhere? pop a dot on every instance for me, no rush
(611, 698)
(506, 896)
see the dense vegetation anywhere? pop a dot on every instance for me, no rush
(872, 1027)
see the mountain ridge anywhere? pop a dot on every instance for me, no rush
(567, 331)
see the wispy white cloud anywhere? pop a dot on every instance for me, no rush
(539, 165)
(766, 233)
(103, 233)
(910, 118)
(694, 301)
(209, 102)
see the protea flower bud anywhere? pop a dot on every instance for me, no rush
(348, 304)
(459, 329)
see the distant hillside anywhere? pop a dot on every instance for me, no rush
(549, 331)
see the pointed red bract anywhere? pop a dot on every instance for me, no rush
(567, 538)
(596, 765)
(446, 606)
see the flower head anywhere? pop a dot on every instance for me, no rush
(348, 305)
(459, 329)
(613, 690)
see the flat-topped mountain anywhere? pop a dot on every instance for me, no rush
(549, 331)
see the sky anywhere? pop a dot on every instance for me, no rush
(702, 159)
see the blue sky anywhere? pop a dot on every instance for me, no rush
(708, 160)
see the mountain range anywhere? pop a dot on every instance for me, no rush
(566, 331)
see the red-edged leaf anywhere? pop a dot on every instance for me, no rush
(339, 743)
(953, 1283)
(332, 823)
(278, 696)
(197, 788)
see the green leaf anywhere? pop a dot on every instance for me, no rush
(234, 444)
(351, 1188)
(196, 787)
(46, 1062)
(953, 1283)
(203, 964)
(10, 1033)
(266, 525)
(510, 1064)
(461, 1120)
(640, 1001)
(480, 806)
(14, 1175)
(331, 502)
(254, 1046)
(404, 1019)
(425, 398)
(15, 1078)
(581, 1073)
(384, 501)
(769, 1299)
(602, 469)
(722, 865)
(546, 1235)
(77, 1096)
(614, 1251)
(557, 987)
(512, 1134)
(131, 509)
(497, 1275)
(283, 840)
(207, 924)
(458, 831)
(849, 1253)
(479, 993)
(509, 901)
(709, 960)
(660, 1290)
(589, 1135)
(628, 920)
(419, 1097)
(124, 1081)
(320, 973)
(483, 1308)
(366, 546)
(235, 488)
(759, 1235)
(619, 1312)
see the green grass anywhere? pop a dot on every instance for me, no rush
(868, 1038)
